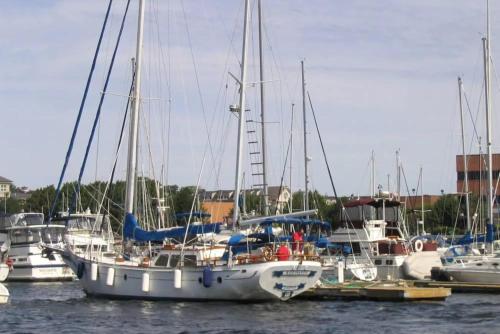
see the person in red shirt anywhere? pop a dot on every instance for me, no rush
(298, 241)
(283, 253)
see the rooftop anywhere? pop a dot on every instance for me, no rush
(4, 180)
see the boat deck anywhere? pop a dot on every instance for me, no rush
(381, 291)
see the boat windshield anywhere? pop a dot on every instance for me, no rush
(30, 236)
(85, 223)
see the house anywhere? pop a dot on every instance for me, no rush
(219, 203)
(5, 185)
(21, 194)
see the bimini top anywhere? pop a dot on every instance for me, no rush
(375, 202)
(299, 221)
(132, 231)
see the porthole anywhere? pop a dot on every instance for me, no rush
(244, 271)
(125, 277)
(200, 280)
(219, 280)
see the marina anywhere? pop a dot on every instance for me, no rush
(223, 167)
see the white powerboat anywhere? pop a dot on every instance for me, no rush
(371, 232)
(27, 233)
(484, 271)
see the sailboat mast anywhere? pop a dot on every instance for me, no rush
(372, 178)
(464, 155)
(134, 117)
(306, 161)
(241, 124)
(262, 118)
(422, 198)
(398, 177)
(487, 97)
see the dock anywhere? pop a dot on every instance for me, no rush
(460, 287)
(380, 291)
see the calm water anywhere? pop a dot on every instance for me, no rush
(63, 308)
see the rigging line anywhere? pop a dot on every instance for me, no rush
(470, 113)
(198, 82)
(324, 153)
(284, 169)
(98, 113)
(111, 179)
(193, 204)
(80, 111)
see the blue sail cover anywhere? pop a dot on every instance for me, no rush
(132, 231)
(197, 214)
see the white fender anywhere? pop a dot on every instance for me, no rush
(145, 282)
(177, 278)
(93, 271)
(111, 277)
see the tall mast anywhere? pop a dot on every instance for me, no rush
(372, 178)
(464, 155)
(398, 177)
(241, 124)
(134, 117)
(422, 198)
(306, 161)
(291, 160)
(487, 97)
(262, 119)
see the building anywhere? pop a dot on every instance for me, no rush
(477, 174)
(21, 194)
(415, 202)
(5, 187)
(219, 203)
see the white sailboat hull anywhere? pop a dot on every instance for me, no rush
(4, 271)
(259, 281)
(4, 294)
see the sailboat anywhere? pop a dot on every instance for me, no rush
(485, 269)
(180, 271)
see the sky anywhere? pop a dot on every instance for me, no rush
(382, 76)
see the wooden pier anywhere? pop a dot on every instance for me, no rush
(460, 286)
(382, 291)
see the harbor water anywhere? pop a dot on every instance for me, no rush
(64, 308)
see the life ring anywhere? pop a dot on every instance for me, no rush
(268, 253)
(80, 270)
(419, 245)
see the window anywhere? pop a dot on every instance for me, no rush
(189, 260)
(378, 262)
(389, 262)
(162, 261)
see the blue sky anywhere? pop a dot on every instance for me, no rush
(382, 76)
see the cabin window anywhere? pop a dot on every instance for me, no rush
(378, 262)
(174, 259)
(389, 262)
(189, 260)
(24, 236)
(356, 249)
(162, 261)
